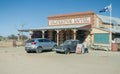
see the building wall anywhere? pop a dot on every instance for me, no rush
(97, 22)
(95, 30)
(106, 25)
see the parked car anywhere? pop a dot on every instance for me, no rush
(39, 44)
(67, 47)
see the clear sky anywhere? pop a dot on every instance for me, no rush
(34, 13)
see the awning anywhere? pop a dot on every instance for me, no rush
(79, 27)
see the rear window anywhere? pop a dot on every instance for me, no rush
(46, 40)
(29, 41)
(40, 40)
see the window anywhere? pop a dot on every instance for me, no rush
(101, 38)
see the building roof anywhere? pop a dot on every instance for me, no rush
(115, 31)
(87, 27)
(106, 19)
(108, 30)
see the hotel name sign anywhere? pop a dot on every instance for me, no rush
(83, 20)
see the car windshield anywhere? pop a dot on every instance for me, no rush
(67, 43)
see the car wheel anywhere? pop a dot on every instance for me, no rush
(39, 50)
(67, 51)
(28, 51)
(57, 52)
(54, 47)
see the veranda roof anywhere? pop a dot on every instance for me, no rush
(64, 27)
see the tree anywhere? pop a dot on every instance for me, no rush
(1, 37)
(24, 37)
(12, 37)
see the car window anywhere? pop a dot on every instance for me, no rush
(40, 40)
(46, 40)
(74, 43)
(29, 41)
(67, 42)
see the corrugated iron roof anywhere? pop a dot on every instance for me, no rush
(108, 30)
(58, 28)
(106, 19)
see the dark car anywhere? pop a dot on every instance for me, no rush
(67, 47)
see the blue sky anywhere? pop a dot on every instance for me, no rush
(34, 13)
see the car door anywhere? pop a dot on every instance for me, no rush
(74, 44)
(47, 44)
(41, 43)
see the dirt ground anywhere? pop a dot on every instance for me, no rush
(17, 61)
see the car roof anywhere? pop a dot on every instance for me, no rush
(37, 38)
(72, 40)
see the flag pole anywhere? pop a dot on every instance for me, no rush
(110, 27)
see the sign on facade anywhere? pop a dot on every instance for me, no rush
(70, 21)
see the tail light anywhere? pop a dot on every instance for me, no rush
(33, 43)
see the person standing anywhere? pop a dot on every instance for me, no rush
(88, 44)
(85, 43)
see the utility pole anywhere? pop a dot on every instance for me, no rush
(110, 27)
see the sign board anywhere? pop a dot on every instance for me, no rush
(78, 48)
(82, 20)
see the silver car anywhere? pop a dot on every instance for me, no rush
(39, 44)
